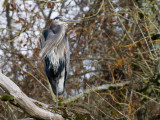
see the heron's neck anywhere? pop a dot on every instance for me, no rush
(60, 29)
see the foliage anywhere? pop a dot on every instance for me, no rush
(116, 41)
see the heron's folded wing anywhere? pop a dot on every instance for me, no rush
(50, 42)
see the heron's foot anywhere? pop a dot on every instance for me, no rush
(56, 101)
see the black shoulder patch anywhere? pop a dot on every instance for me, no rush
(45, 34)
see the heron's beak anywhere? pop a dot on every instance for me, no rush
(71, 21)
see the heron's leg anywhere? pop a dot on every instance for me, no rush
(56, 93)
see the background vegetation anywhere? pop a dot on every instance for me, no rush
(116, 41)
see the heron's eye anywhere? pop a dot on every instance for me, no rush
(58, 19)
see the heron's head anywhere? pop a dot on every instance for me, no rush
(60, 20)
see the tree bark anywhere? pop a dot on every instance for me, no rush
(25, 102)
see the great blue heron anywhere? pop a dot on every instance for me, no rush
(55, 53)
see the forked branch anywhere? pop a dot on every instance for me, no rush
(25, 102)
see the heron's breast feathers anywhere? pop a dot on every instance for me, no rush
(56, 56)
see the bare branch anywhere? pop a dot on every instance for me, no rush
(25, 102)
(95, 89)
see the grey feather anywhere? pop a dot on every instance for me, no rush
(52, 41)
(56, 55)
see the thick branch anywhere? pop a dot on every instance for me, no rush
(25, 102)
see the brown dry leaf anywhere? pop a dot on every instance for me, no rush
(131, 54)
(26, 10)
(20, 19)
(50, 5)
(106, 74)
(119, 62)
(13, 4)
(38, 16)
(129, 69)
